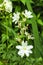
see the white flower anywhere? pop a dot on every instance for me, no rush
(29, 36)
(5, 0)
(27, 14)
(24, 49)
(16, 17)
(8, 5)
(26, 33)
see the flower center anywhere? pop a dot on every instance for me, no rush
(24, 48)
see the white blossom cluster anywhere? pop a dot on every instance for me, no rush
(7, 5)
(26, 14)
(24, 49)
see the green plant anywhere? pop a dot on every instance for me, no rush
(17, 26)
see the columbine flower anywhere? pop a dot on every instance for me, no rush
(8, 5)
(16, 17)
(27, 14)
(24, 49)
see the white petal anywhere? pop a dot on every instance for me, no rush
(21, 53)
(29, 12)
(14, 14)
(13, 20)
(30, 16)
(16, 17)
(8, 6)
(27, 54)
(16, 22)
(19, 47)
(32, 38)
(30, 51)
(24, 43)
(29, 47)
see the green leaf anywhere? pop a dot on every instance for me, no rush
(40, 22)
(17, 8)
(1, 1)
(1, 63)
(23, 1)
(4, 37)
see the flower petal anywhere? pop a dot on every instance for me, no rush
(21, 53)
(24, 43)
(29, 51)
(29, 47)
(19, 47)
(27, 54)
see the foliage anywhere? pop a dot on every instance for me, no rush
(10, 35)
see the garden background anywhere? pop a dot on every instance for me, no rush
(11, 35)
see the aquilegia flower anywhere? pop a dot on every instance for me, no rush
(16, 17)
(24, 49)
(8, 5)
(27, 14)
